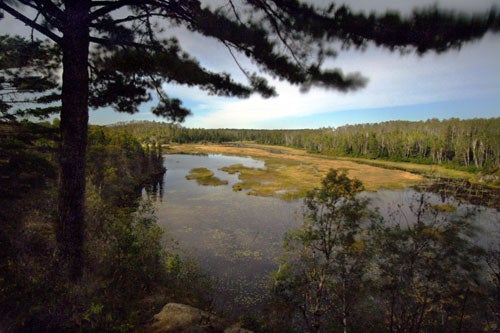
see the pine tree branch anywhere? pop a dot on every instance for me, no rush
(132, 18)
(273, 18)
(45, 7)
(41, 29)
(107, 7)
(235, 12)
(116, 42)
(243, 70)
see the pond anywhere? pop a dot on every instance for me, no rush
(237, 237)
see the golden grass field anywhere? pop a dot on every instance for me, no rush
(290, 173)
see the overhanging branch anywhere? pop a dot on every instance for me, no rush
(110, 43)
(107, 7)
(41, 29)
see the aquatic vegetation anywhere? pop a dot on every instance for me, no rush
(232, 169)
(277, 179)
(290, 173)
(236, 236)
(205, 177)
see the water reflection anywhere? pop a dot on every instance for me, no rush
(153, 191)
(237, 237)
(399, 207)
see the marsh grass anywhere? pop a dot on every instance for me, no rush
(278, 179)
(232, 169)
(205, 177)
(290, 173)
(422, 169)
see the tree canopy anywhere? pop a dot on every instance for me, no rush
(114, 53)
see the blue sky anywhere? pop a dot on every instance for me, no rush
(463, 84)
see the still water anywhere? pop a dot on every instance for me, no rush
(236, 237)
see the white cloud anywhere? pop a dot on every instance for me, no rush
(393, 80)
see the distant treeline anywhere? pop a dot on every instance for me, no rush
(473, 143)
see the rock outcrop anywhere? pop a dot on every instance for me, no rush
(176, 317)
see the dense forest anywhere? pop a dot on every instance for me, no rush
(129, 269)
(472, 144)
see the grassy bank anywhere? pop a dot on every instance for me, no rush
(290, 173)
(435, 171)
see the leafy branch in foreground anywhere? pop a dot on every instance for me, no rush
(322, 280)
(29, 84)
(421, 269)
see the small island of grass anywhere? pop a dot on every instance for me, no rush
(205, 177)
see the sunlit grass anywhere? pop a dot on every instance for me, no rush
(291, 173)
(205, 177)
(424, 169)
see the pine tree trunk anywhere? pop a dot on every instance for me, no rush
(74, 123)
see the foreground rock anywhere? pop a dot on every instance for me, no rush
(176, 317)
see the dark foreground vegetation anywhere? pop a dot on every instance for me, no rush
(129, 270)
(471, 144)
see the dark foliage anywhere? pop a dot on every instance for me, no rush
(28, 76)
(129, 270)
